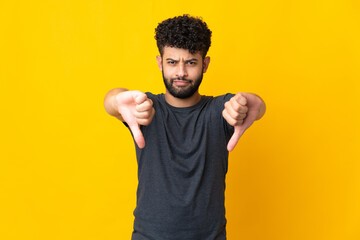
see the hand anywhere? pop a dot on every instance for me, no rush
(136, 109)
(241, 111)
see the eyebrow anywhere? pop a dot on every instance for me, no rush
(189, 60)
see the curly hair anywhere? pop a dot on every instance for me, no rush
(184, 32)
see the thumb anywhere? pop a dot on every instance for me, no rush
(137, 134)
(235, 138)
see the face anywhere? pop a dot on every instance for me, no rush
(182, 71)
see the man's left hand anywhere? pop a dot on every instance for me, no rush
(241, 111)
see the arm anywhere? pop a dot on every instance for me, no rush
(110, 104)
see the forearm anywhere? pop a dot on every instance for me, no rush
(262, 108)
(110, 102)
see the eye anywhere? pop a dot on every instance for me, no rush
(171, 62)
(191, 63)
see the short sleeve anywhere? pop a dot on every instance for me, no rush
(220, 101)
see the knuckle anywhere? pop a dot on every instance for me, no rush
(148, 105)
(243, 109)
(146, 122)
(234, 114)
(228, 118)
(233, 122)
(145, 115)
(238, 117)
(149, 114)
(236, 108)
(143, 106)
(141, 121)
(136, 114)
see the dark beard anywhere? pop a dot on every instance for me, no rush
(180, 92)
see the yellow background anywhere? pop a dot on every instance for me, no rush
(68, 170)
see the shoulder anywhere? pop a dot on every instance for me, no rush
(157, 99)
(222, 99)
(154, 97)
(150, 95)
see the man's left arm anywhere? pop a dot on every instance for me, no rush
(241, 111)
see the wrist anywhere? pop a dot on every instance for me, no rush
(110, 102)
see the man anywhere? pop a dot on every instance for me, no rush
(182, 138)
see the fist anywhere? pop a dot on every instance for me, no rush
(241, 111)
(235, 110)
(136, 109)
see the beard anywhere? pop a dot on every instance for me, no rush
(182, 92)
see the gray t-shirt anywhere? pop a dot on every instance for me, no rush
(181, 172)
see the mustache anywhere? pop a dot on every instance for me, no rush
(180, 78)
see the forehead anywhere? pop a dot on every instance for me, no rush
(179, 53)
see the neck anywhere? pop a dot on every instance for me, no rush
(179, 102)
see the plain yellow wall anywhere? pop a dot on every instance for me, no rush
(68, 170)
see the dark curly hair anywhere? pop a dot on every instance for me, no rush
(184, 32)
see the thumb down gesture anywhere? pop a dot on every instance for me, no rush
(136, 109)
(241, 111)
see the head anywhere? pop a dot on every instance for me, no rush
(184, 32)
(183, 43)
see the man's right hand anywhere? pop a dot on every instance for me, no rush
(136, 109)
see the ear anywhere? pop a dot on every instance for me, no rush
(206, 64)
(159, 62)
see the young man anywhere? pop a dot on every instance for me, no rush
(182, 139)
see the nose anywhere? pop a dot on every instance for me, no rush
(181, 71)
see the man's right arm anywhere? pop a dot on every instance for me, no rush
(110, 102)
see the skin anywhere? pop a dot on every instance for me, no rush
(135, 108)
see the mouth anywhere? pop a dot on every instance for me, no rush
(182, 82)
